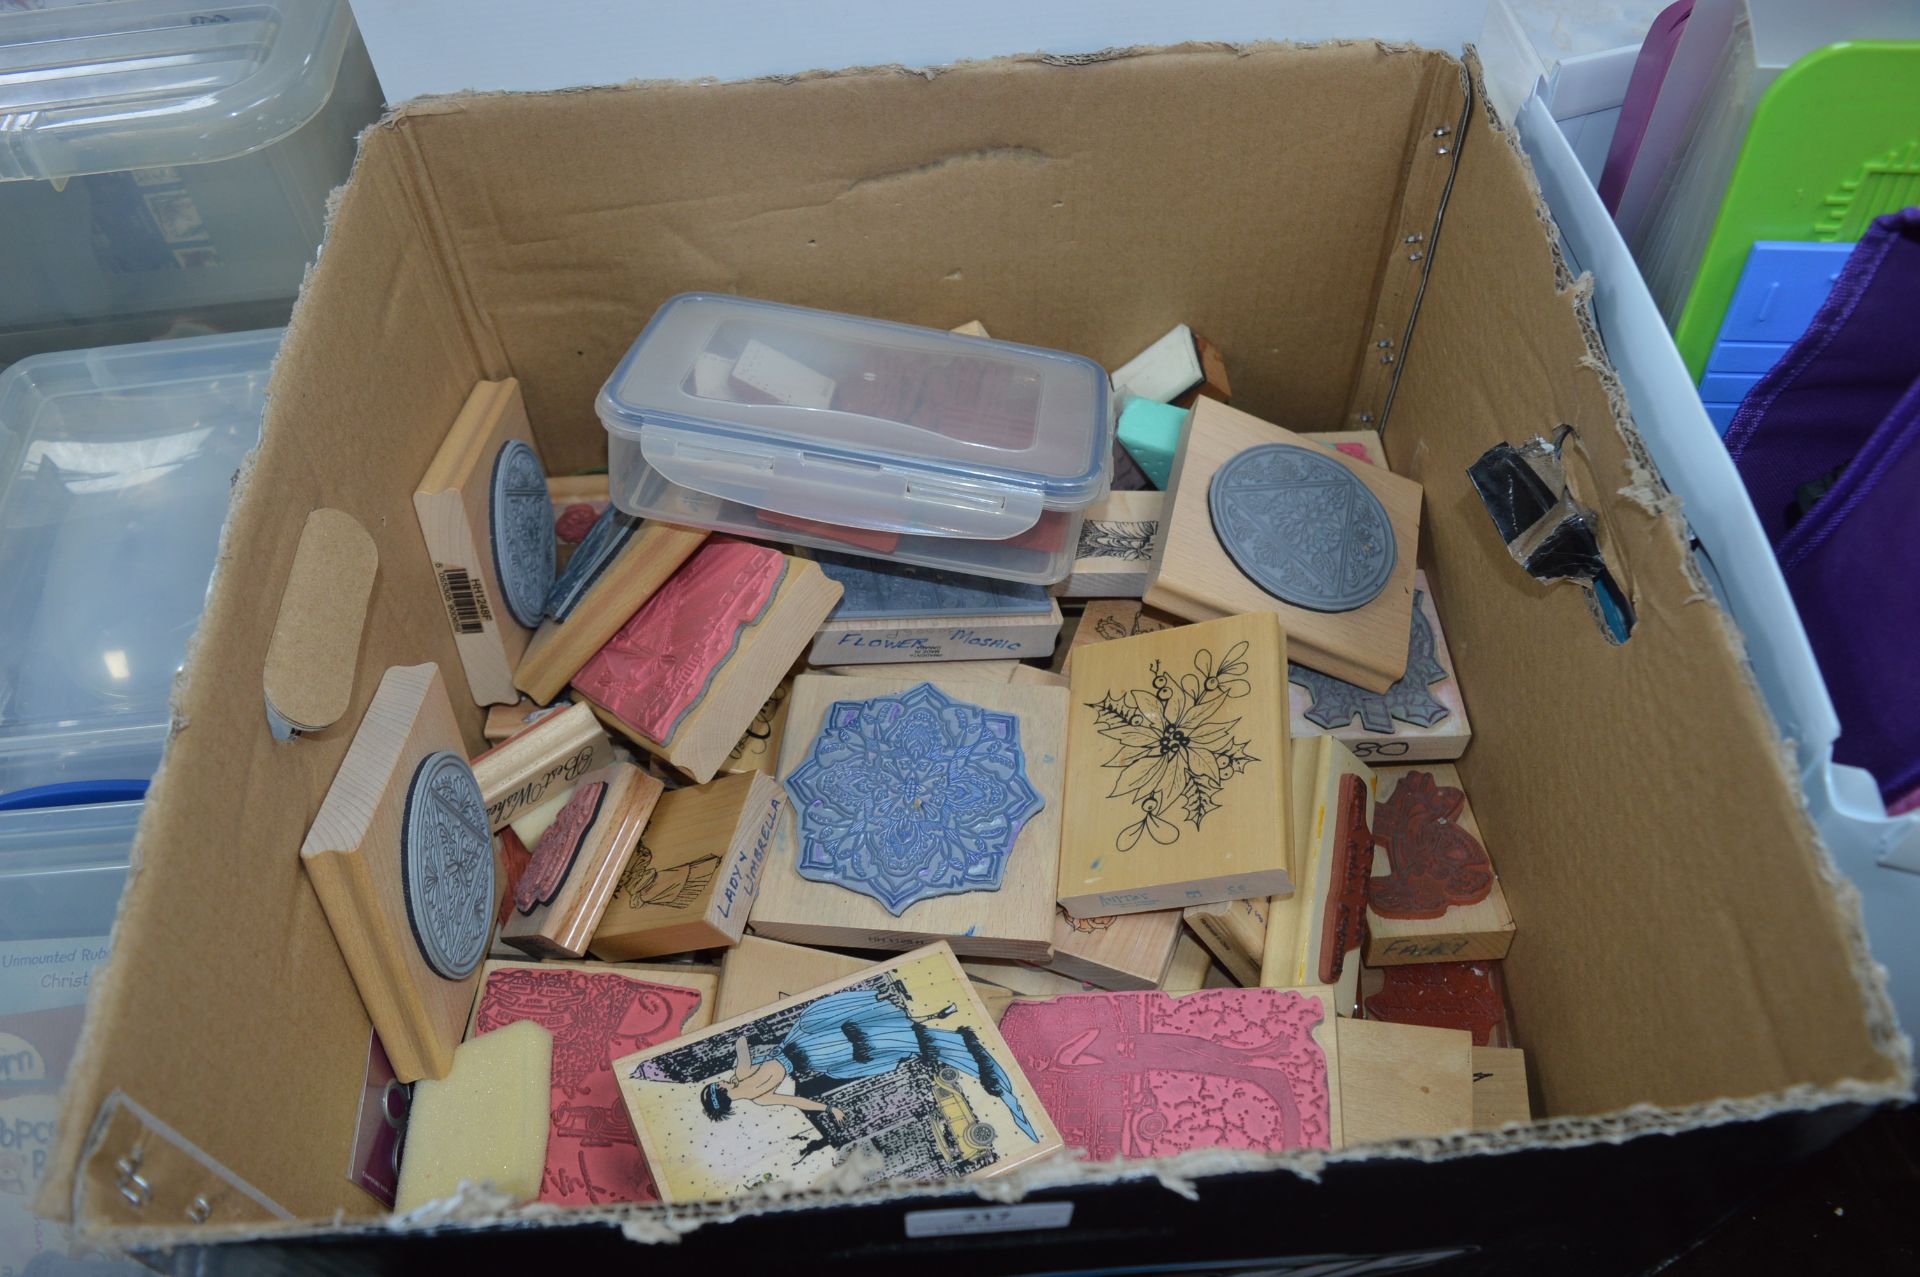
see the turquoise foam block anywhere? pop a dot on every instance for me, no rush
(1150, 432)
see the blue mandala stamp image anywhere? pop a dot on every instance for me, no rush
(912, 796)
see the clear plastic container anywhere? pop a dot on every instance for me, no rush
(874, 438)
(165, 165)
(115, 470)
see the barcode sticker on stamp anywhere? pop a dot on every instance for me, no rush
(466, 599)
(1026, 1217)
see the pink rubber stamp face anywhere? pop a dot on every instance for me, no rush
(660, 663)
(1146, 1075)
(554, 854)
(592, 1156)
(1436, 863)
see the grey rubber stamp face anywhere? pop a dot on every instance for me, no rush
(1302, 527)
(446, 865)
(522, 525)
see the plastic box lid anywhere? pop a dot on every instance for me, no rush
(115, 468)
(99, 88)
(860, 422)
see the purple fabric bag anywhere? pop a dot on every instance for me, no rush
(1834, 431)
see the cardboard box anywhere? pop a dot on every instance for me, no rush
(533, 236)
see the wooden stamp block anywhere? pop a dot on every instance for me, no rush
(308, 677)
(1332, 856)
(614, 577)
(1235, 932)
(1361, 445)
(758, 749)
(1034, 676)
(401, 859)
(941, 672)
(901, 1057)
(1403, 1081)
(692, 880)
(1449, 995)
(684, 677)
(1195, 576)
(1177, 776)
(488, 523)
(1192, 967)
(1015, 921)
(1023, 979)
(972, 328)
(1138, 1075)
(505, 721)
(546, 757)
(1115, 553)
(1434, 895)
(595, 1013)
(1500, 1087)
(1103, 620)
(893, 613)
(1123, 951)
(578, 861)
(1213, 375)
(759, 972)
(1420, 718)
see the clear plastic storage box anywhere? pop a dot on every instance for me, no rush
(115, 469)
(165, 164)
(874, 438)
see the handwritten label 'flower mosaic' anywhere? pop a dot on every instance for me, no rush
(912, 796)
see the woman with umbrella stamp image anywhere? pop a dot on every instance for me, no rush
(899, 1063)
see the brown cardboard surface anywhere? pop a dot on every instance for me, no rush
(533, 236)
(1712, 890)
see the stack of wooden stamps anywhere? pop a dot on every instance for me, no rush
(786, 865)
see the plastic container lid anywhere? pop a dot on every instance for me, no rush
(62, 869)
(860, 422)
(115, 470)
(99, 88)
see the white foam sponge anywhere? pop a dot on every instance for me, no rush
(486, 1120)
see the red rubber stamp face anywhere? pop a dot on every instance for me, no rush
(1436, 863)
(1344, 928)
(554, 854)
(1441, 995)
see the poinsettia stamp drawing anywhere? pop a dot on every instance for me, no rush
(1176, 751)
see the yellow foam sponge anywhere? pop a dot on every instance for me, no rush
(487, 1119)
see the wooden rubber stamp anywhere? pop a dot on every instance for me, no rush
(566, 886)
(1420, 718)
(899, 612)
(1449, 995)
(1119, 951)
(1139, 1075)
(1434, 895)
(1333, 857)
(939, 672)
(403, 863)
(1115, 552)
(1235, 933)
(901, 1058)
(759, 972)
(504, 721)
(615, 570)
(1361, 445)
(548, 756)
(1177, 776)
(1193, 967)
(684, 677)
(595, 1012)
(1500, 1087)
(758, 749)
(886, 782)
(1226, 546)
(696, 873)
(488, 523)
(1103, 620)
(315, 649)
(1213, 375)
(1402, 1081)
